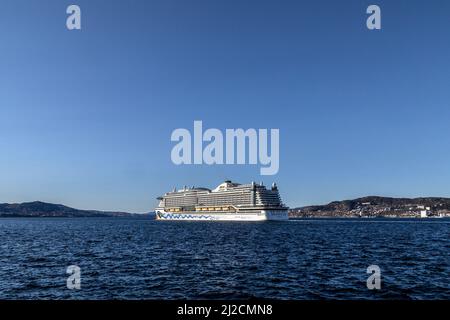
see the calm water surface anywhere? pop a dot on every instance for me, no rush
(139, 258)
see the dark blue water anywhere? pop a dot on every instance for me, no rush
(139, 258)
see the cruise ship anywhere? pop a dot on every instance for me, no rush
(228, 202)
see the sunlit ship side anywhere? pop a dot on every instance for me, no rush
(228, 202)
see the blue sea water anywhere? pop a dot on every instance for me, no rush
(140, 258)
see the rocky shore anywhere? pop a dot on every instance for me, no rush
(43, 209)
(374, 206)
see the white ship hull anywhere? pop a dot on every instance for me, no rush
(263, 215)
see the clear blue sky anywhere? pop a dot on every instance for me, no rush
(86, 116)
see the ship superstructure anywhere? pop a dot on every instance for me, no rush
(229, 201)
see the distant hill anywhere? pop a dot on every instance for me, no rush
(376, 206)
(43, 209)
